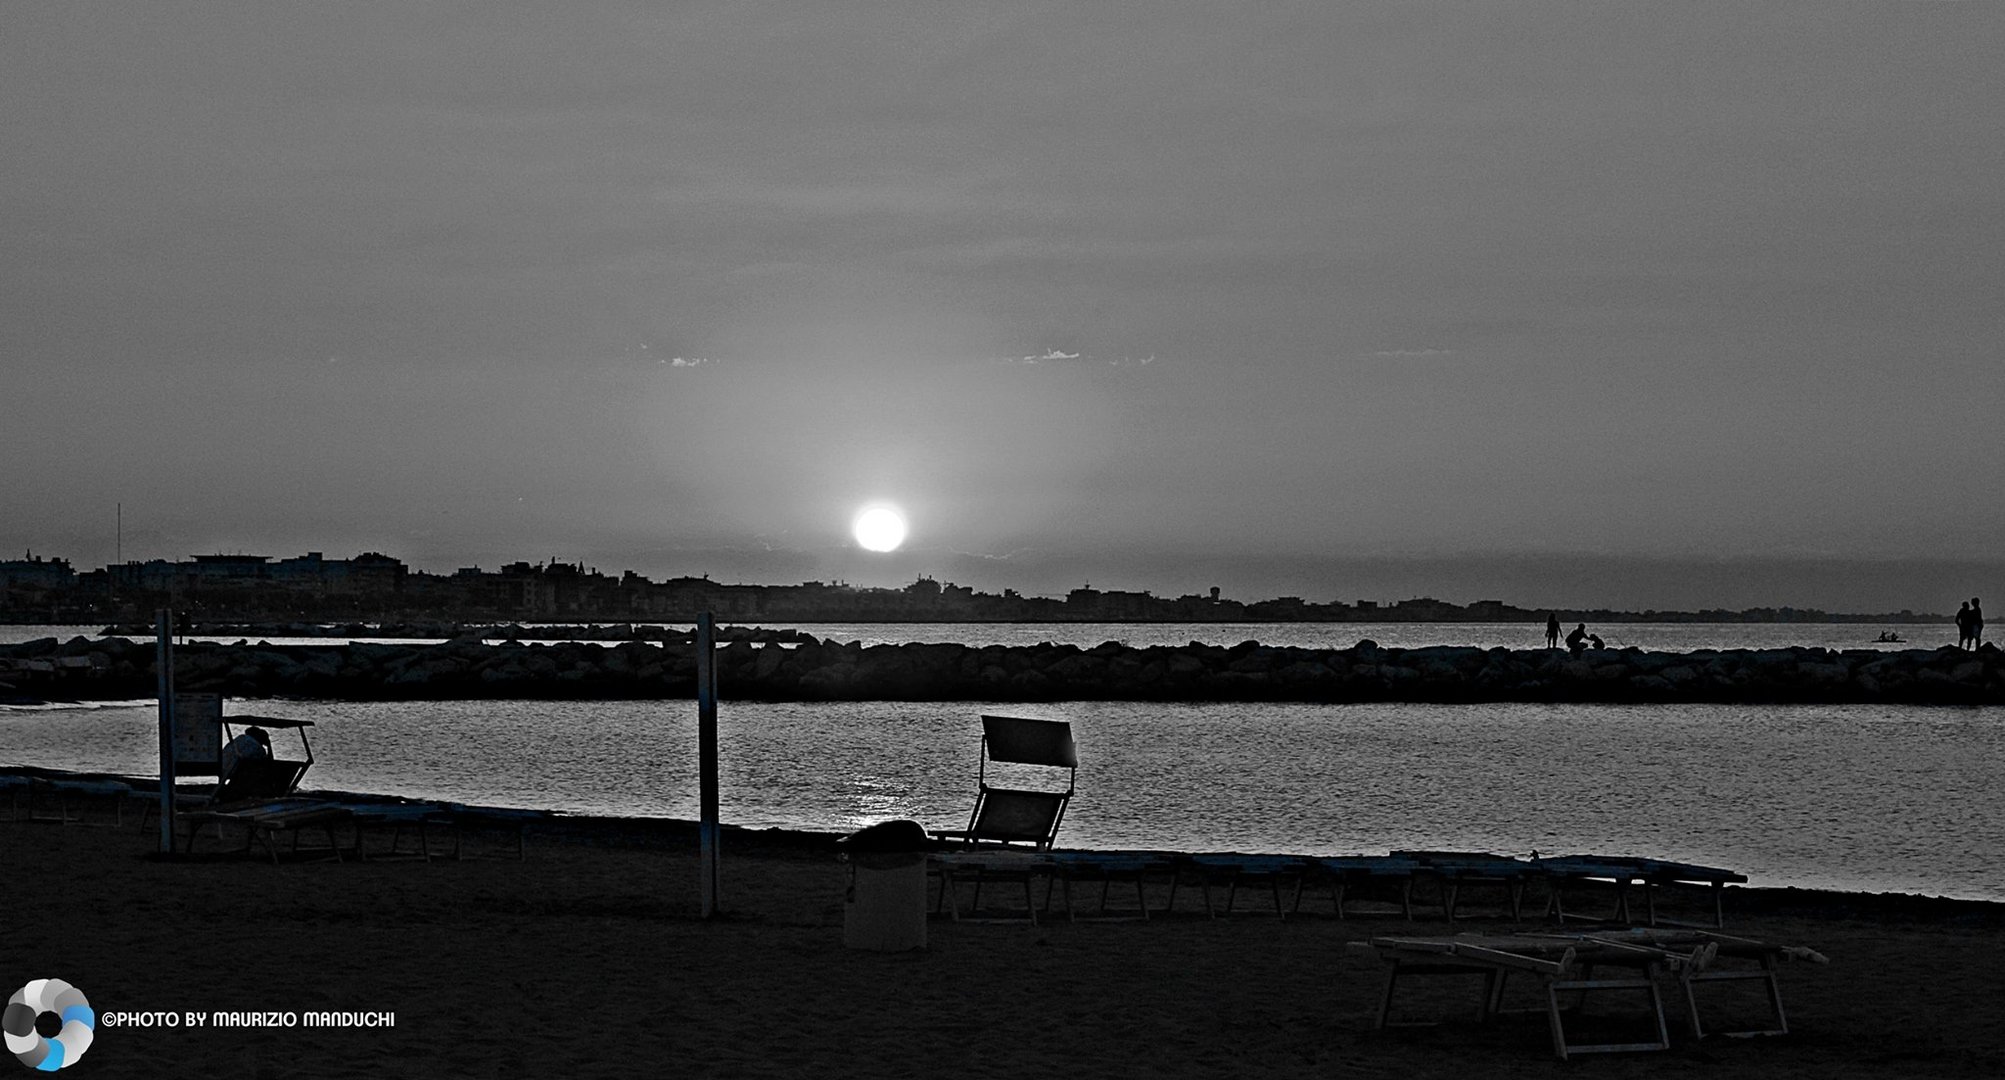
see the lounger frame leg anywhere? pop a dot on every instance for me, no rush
(1766, 974)
(1646, 983)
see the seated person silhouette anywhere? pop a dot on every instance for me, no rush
(1577, 640)
(254, 745)
(1594, 641)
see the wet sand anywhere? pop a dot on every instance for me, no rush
(587, 959)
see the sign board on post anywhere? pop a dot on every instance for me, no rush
(198, 734)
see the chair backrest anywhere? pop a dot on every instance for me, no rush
(1010, 816)
(1029, 742)
(1017, 815)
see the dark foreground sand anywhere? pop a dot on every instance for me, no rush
(587, 960)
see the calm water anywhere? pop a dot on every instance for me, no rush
(1878, 798)
(1676, 637)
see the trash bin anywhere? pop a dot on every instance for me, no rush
(885, 906)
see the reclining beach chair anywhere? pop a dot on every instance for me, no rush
(1013, 816)
(1010, 828)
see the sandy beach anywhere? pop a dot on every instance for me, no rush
(587, 958)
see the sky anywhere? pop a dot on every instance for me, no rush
(1669, 305)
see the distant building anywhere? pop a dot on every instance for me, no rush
(31, 571)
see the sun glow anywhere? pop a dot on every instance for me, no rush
(879, 528)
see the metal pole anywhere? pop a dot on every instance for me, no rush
(706, 753)
(164, 660)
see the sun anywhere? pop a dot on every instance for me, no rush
(879, 528)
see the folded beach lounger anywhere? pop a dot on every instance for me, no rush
(1701, 958)
(1653, 877)
(1577, 963)
(1561, 966)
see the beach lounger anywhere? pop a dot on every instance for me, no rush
(987, 866)
(1010, 817)
(1451, 872)
(1561, 966)
(1351, 877)
(1573, 964)
(47, 796)
(1652, 877)
(1233, 871)
(251, 782)
(509, 821)
(263, 822)
(1109, 868)
(418, 820)
(1703, 958)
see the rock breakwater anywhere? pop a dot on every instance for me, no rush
(82, 668)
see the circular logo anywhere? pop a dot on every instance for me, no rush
(49, 1024)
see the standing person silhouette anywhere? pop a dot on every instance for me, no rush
(1963, 626)
(1552, 630)
(1976, 623)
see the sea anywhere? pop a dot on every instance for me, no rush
(1855, 797)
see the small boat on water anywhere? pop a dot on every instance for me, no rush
(1888, 637)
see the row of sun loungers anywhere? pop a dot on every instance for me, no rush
(50, 796)
(264, 824)
(1287, 884)
(334, 827)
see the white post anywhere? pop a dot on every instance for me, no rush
(164, 660)
(706, 753)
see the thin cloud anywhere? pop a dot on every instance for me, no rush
(688, 361)
(1412, 354)
(1060, 356)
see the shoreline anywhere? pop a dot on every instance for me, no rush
(639, 832)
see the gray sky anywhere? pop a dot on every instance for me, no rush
(677, 287)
